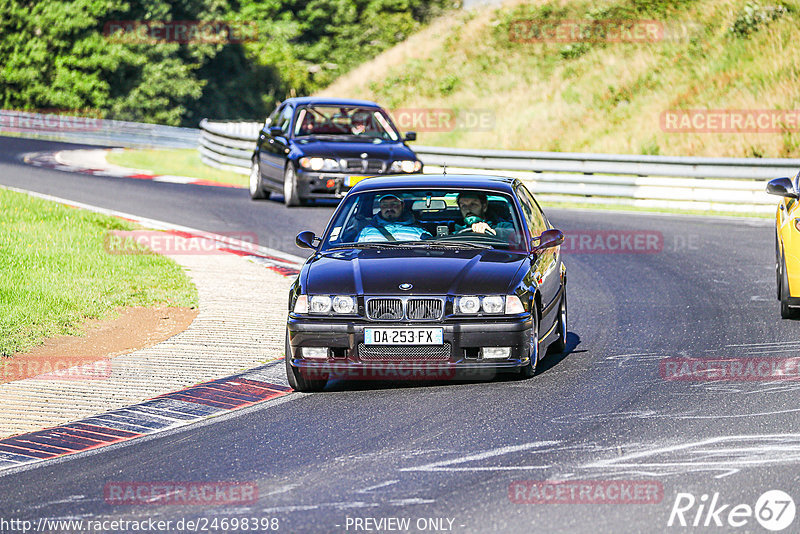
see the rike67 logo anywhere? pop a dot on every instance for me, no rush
(774, 510)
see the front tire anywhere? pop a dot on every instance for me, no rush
(297, 381)
(257, 191)
(560, 346)
(529, 369)
(787, 312)
(290, 195)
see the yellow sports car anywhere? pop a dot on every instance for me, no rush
(787, 243)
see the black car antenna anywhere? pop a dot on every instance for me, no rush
(444, 168)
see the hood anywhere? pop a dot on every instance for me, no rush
(387, 150)
(431, 272)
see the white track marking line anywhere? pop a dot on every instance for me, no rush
(289, 259)
(444, 464)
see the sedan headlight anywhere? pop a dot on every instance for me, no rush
(406, 165)
(344, 305)
(493, 304)
(490, 305)
(320, 164)
(468, 305)
(326, 305)
(320, 304)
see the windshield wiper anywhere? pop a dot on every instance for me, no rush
(369, 244)
(457, 244)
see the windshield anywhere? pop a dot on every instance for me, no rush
(347, 121)
(452, 218)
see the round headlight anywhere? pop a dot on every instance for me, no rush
(342, 304)
(317, 164)
(407, 166)
(468, 304)
(493, 304)
(319, 304)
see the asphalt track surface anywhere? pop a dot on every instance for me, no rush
(603, 411)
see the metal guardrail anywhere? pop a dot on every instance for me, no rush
(228, 145)
(718, 184)
(96, 131)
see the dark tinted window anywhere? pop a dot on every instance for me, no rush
(429, 216)
(534, 216)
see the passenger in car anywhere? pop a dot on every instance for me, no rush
(308, 125)
(477, 217)
(392, 223)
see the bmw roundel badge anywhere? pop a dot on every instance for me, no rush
(405, 286)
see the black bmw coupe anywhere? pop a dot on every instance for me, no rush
(319, 147)
(427, 276)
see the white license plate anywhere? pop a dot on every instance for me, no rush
(350, 181)
(403, 336)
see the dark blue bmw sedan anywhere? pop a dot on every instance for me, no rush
(428, 277)
(319, 147)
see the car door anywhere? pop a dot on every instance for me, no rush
(544, 271)
(275, 149)
(789, 210)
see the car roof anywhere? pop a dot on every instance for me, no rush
(327, 101)
(444, 181)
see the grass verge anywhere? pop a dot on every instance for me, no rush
(55, 272)
(178, 162)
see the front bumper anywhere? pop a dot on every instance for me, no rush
(312, 184)
(344, 340)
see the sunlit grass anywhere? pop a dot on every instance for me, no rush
(55, 272)
(594, 97)
(178, 162)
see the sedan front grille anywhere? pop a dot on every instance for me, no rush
(385, 309)
(403, 353)
(364, 165)
(416, 309)
(424, 309)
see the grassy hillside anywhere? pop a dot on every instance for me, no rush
(596, 96)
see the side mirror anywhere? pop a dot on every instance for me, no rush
(548, 239)
(411, 136)
(274, 131)
(782, 187)
(306, 239)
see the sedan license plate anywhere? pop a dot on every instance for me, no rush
(403, 336)
(350, 181)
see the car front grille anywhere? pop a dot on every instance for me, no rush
(364, 165)
(385, 309)
(403, 353)
(424, 309)
(416, 309)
